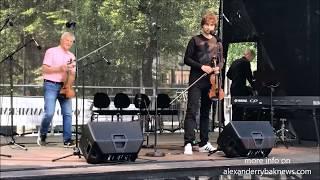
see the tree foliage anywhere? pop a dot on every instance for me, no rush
(140, 31)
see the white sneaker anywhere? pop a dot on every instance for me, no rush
(207, 148)
(188, 149)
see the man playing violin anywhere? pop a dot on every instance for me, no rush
(202, 49)
(56, 64)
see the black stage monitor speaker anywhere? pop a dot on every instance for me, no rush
(111, 141)
(247, 139)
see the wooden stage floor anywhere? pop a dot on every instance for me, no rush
(36, 162)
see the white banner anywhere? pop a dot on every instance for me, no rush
(28, 111)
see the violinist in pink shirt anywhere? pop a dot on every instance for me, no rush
(57, 63)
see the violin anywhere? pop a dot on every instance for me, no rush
(215, 90)
(67, 89)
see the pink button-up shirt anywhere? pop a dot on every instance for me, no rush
(55, 57)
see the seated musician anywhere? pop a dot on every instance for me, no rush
(239, 72)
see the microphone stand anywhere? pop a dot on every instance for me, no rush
(156, 153)
(219, 102)
(76, 150)
(220, 58)
(83, 89)
(4, 155)
(10, 59)
(5, 23)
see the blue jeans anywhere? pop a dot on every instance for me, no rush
(51, 95)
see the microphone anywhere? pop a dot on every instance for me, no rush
(71, 24)
(108, 62)
(38, 46)
(154, 24)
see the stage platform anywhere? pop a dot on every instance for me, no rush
(299, 161)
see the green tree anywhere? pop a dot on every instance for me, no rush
(138, 30)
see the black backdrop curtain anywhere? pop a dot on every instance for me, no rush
(287, 34)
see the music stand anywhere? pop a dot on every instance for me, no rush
(76, 150)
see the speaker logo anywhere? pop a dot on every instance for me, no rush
(240, 100)
(316, 103)
(253, 101)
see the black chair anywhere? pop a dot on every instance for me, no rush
(163, 102)
(141, 101)
(101, 101)
(121, 101)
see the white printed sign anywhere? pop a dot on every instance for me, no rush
(29, 111)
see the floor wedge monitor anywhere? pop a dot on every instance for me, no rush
(111, 141)
(247, 139)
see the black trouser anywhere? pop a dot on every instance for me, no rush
(195, 94)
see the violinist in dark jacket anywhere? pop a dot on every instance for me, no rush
(201, 51)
